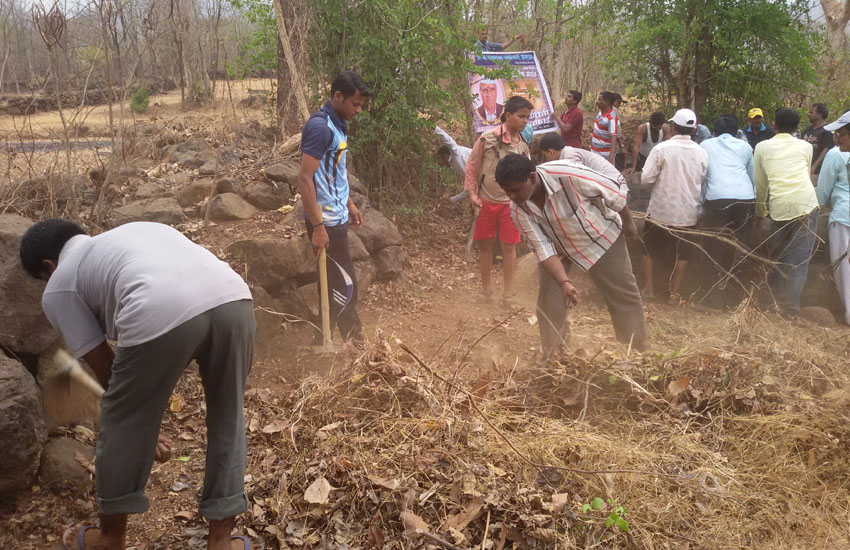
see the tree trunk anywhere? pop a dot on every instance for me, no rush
(292, 68)
(837, 16)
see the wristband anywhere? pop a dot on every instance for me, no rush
(561, 284)
(317, 224)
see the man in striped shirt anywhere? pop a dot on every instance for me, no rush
(570, 214)
(606, 127)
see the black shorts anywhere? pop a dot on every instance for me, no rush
(661, 243)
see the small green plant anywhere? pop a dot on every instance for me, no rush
(616, 517)
(140, 100)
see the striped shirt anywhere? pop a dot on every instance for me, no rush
(579, 218)
(605, 127)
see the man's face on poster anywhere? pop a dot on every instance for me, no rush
(487, 91)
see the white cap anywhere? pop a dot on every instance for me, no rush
(685, 117)
(842, 121)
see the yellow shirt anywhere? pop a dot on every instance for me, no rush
(783, 185)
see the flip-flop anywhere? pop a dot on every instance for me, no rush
(247, 542)
(81, 537)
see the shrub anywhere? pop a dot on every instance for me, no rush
(140, 100)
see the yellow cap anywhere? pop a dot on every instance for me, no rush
(754, 112)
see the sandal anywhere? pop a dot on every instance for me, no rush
(247, 541)
(81, 537)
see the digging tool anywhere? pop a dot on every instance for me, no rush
(324, 300)
(70, 393)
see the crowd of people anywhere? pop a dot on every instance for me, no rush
(135, 284)
(736, 192)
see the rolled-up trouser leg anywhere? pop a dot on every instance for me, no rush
(140, 386)
(552, 314)
(612, 274)
(225, 362)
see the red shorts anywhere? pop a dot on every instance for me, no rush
(492, 217)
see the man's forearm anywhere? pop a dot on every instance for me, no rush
(626, 215)
(555, 268)
(310, 202)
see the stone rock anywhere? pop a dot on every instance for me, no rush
(151, 189)
(36, 194)
(181, 178)
(194, 145)
(295, 219)
(389, 263)
(278, 265)
(164, 210)
(194, 193)
(365, 272)
(193, 153)
(360, 201)
(210, 168)
(22, 428)
(253, 130)
(130, 171)
(310, 292)
(356, 185)
(377, 232)
(229, 206)
(819, 316)
(266, 196)
(60, 468)
(23, 326)
(282, 173)
(269, 340)
(228, 185)
(356, 248)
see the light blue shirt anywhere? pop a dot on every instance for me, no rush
(730, 169)
(833, 185)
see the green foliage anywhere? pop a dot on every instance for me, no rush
(730, 55)
(258, 50)
(414, 56)
(140, 99)
(91, 56)
(616, 513)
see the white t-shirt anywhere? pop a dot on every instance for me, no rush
(134, 284)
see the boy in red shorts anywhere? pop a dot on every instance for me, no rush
(487, 195)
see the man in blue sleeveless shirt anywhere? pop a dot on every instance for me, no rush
(328, 209)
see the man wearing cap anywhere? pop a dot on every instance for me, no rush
(756, 130)
(833, 187)
(676, 171)
(784, 192)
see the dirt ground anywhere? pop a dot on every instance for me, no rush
(730, 433)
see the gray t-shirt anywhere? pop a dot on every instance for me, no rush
(134, 284)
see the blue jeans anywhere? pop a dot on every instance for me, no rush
(791, 246)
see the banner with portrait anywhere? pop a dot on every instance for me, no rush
(489, 95)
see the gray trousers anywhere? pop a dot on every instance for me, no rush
(142, 379)
(614, 279)
(839, 237)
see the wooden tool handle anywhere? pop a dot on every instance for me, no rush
(323, 291)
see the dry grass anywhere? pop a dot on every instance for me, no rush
(732, 446)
